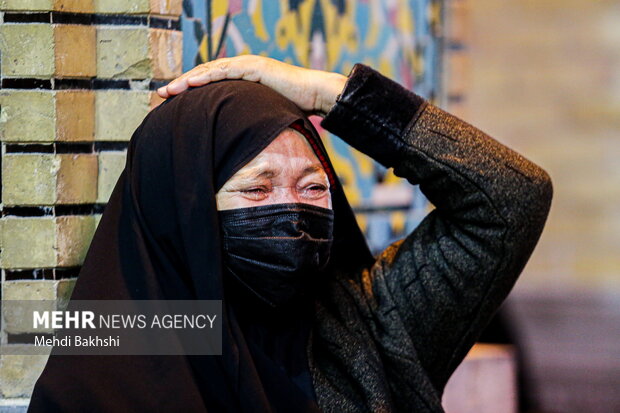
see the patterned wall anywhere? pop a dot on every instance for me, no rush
(400, 38)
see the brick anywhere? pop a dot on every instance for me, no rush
(73, 236)
(44, 50)
(118, 113)
(27, 50)
(74, 6)
(458, 73)
(63, 292)
(14, 318)
(29, 179)
(28, 243)
(45, 116)
(97, 220)
(41, 290)
(18, 374)
(166, 7)
(159, 7)
(68, 40)
(122, 6)
(138, 53)
(111, 164)
(26, 5)
(123, 53)
(166, 53)
(459, 22)
(77, 179)
(46, 242)
(27, 116)
(75, 115)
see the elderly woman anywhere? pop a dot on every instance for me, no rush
(228, 193)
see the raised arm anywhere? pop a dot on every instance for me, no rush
(447, 278)
(314, 91)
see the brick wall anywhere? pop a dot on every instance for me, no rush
(77, 78)
(544, 78)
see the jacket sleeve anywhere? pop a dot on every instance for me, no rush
(447, 278)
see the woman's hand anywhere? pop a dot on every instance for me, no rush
(314, 91)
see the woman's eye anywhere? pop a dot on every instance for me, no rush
(255, 193)
(315, 190)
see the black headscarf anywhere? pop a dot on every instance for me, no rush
(159, 238)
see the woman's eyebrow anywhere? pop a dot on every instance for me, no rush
(312, 169)
(269, 173)
(259, 173)
(273, 172)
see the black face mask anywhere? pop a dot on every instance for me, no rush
(276, 251)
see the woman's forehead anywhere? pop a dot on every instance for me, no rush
(288, 152)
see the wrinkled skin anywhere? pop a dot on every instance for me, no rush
(286, 171)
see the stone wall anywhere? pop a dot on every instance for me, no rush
(77, 78)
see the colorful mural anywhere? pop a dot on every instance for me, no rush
(400, 38)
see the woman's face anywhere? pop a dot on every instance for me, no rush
(286, 171)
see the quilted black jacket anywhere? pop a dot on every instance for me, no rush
(388, 339)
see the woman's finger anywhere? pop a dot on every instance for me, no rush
(179, 84)
(223, 68)
(176, 87)
(291, 81)
(212, 73)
